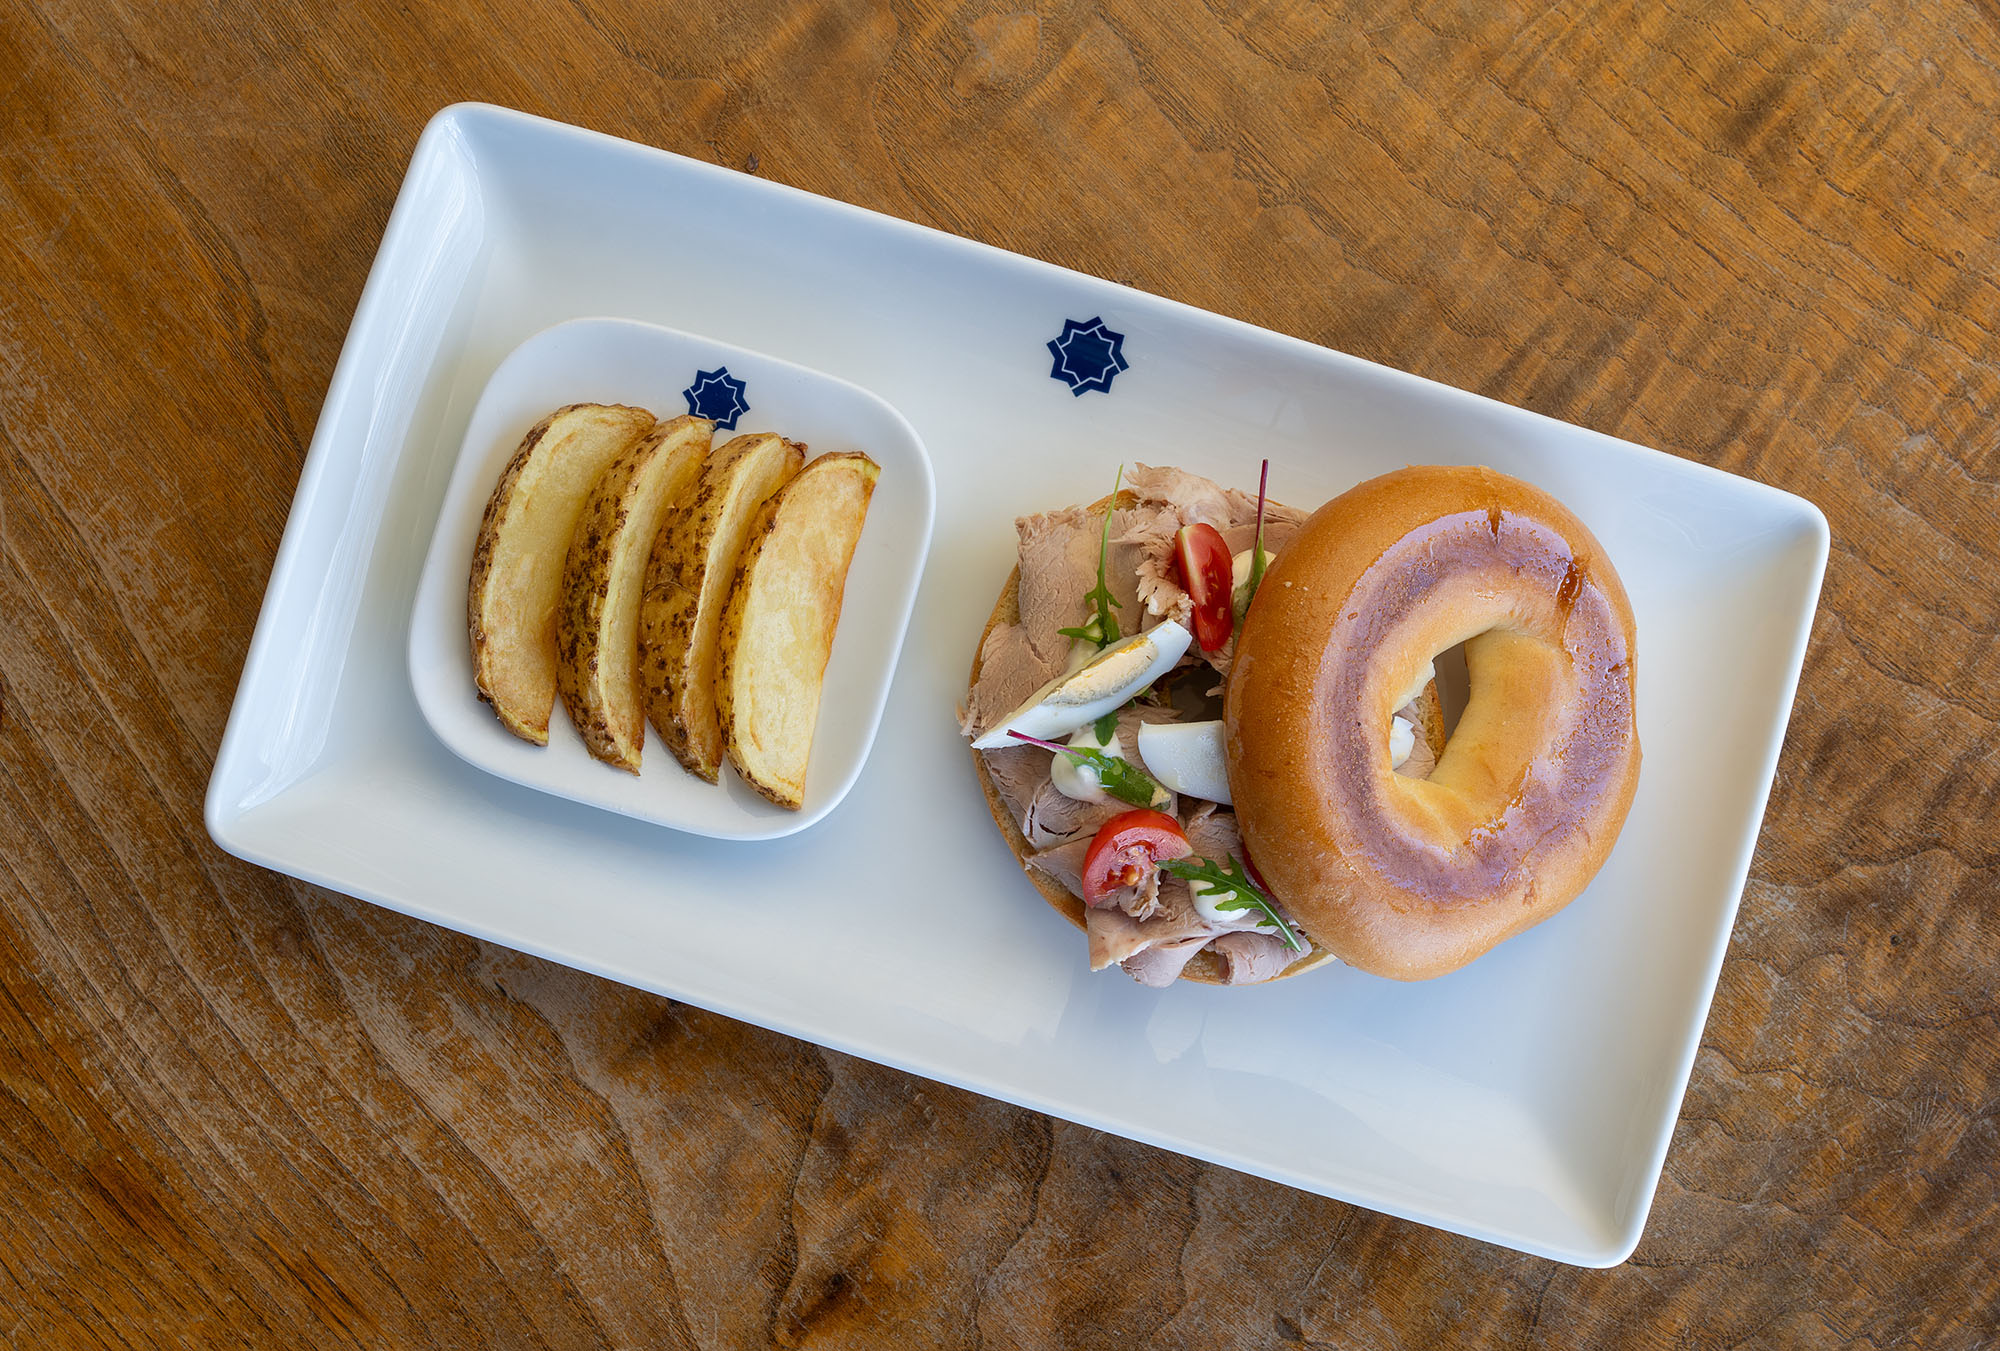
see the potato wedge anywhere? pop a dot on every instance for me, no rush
(597, 626)
(517, 565)
(777, 631)
(687, 584)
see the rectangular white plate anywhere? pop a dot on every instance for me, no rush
(1526, 1100)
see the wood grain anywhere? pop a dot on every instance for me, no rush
(236, 1111)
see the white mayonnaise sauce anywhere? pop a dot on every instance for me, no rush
(1080, 781)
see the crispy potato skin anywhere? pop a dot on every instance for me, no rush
(597, 628)
(516, 578)
(687, 586)
(778, 628)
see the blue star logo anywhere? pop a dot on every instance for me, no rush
(718, 396)
(1088, 356)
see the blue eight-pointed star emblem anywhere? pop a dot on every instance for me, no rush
(717, 395)
(1088, 355)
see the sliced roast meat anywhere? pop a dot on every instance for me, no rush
(1049, 818)
(1145, 526)
(1052, 818)
(1115, 935)
(1213, 833)
(1142, 901)
(1059, 569)
(1009, 671)
(1018, 772)
(1170, 498)
(1423, 756)
(1278, 531)
(1149, 535)
(1160, 587)
(1161, 965)
(1254, 957)
(1065, 864)
(1192, 497)
(1154, 932)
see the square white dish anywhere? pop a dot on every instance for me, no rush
(1526, 1100)
(621, 361)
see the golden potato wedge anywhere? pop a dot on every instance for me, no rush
(517, 565)
(687, 584)
(777, 631)
(597, 626)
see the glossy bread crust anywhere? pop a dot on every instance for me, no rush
(1413, 878)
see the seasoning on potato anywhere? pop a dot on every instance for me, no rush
(645, 575)
(778, 628)
(687, 585)
(517, 564)
(597, 626)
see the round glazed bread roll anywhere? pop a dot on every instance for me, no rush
(1412, 878)
(1206, 968)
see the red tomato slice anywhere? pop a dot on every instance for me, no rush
(1207, 577)
(1127, 847)
(1250, 866)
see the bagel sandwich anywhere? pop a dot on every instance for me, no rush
(1207, 725)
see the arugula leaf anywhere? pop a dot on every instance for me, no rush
(1106, 728)
(1102, 627)
(1229, 878)
(1120, 778)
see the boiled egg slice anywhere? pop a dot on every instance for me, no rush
(1104, 684)
(1188, 758)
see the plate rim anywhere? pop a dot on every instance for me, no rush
(451, 123)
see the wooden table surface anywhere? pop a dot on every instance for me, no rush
(236, 1110)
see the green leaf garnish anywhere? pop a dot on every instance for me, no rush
(1106, 728)
(1102, 628)
(1230, 881)
(1120, 778)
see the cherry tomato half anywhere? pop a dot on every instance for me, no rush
(1208, 578)
(1127, 847)
(1250, 866)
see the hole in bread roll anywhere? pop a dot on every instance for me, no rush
(1428, 712)
(1454, 684)
(1510, 718)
